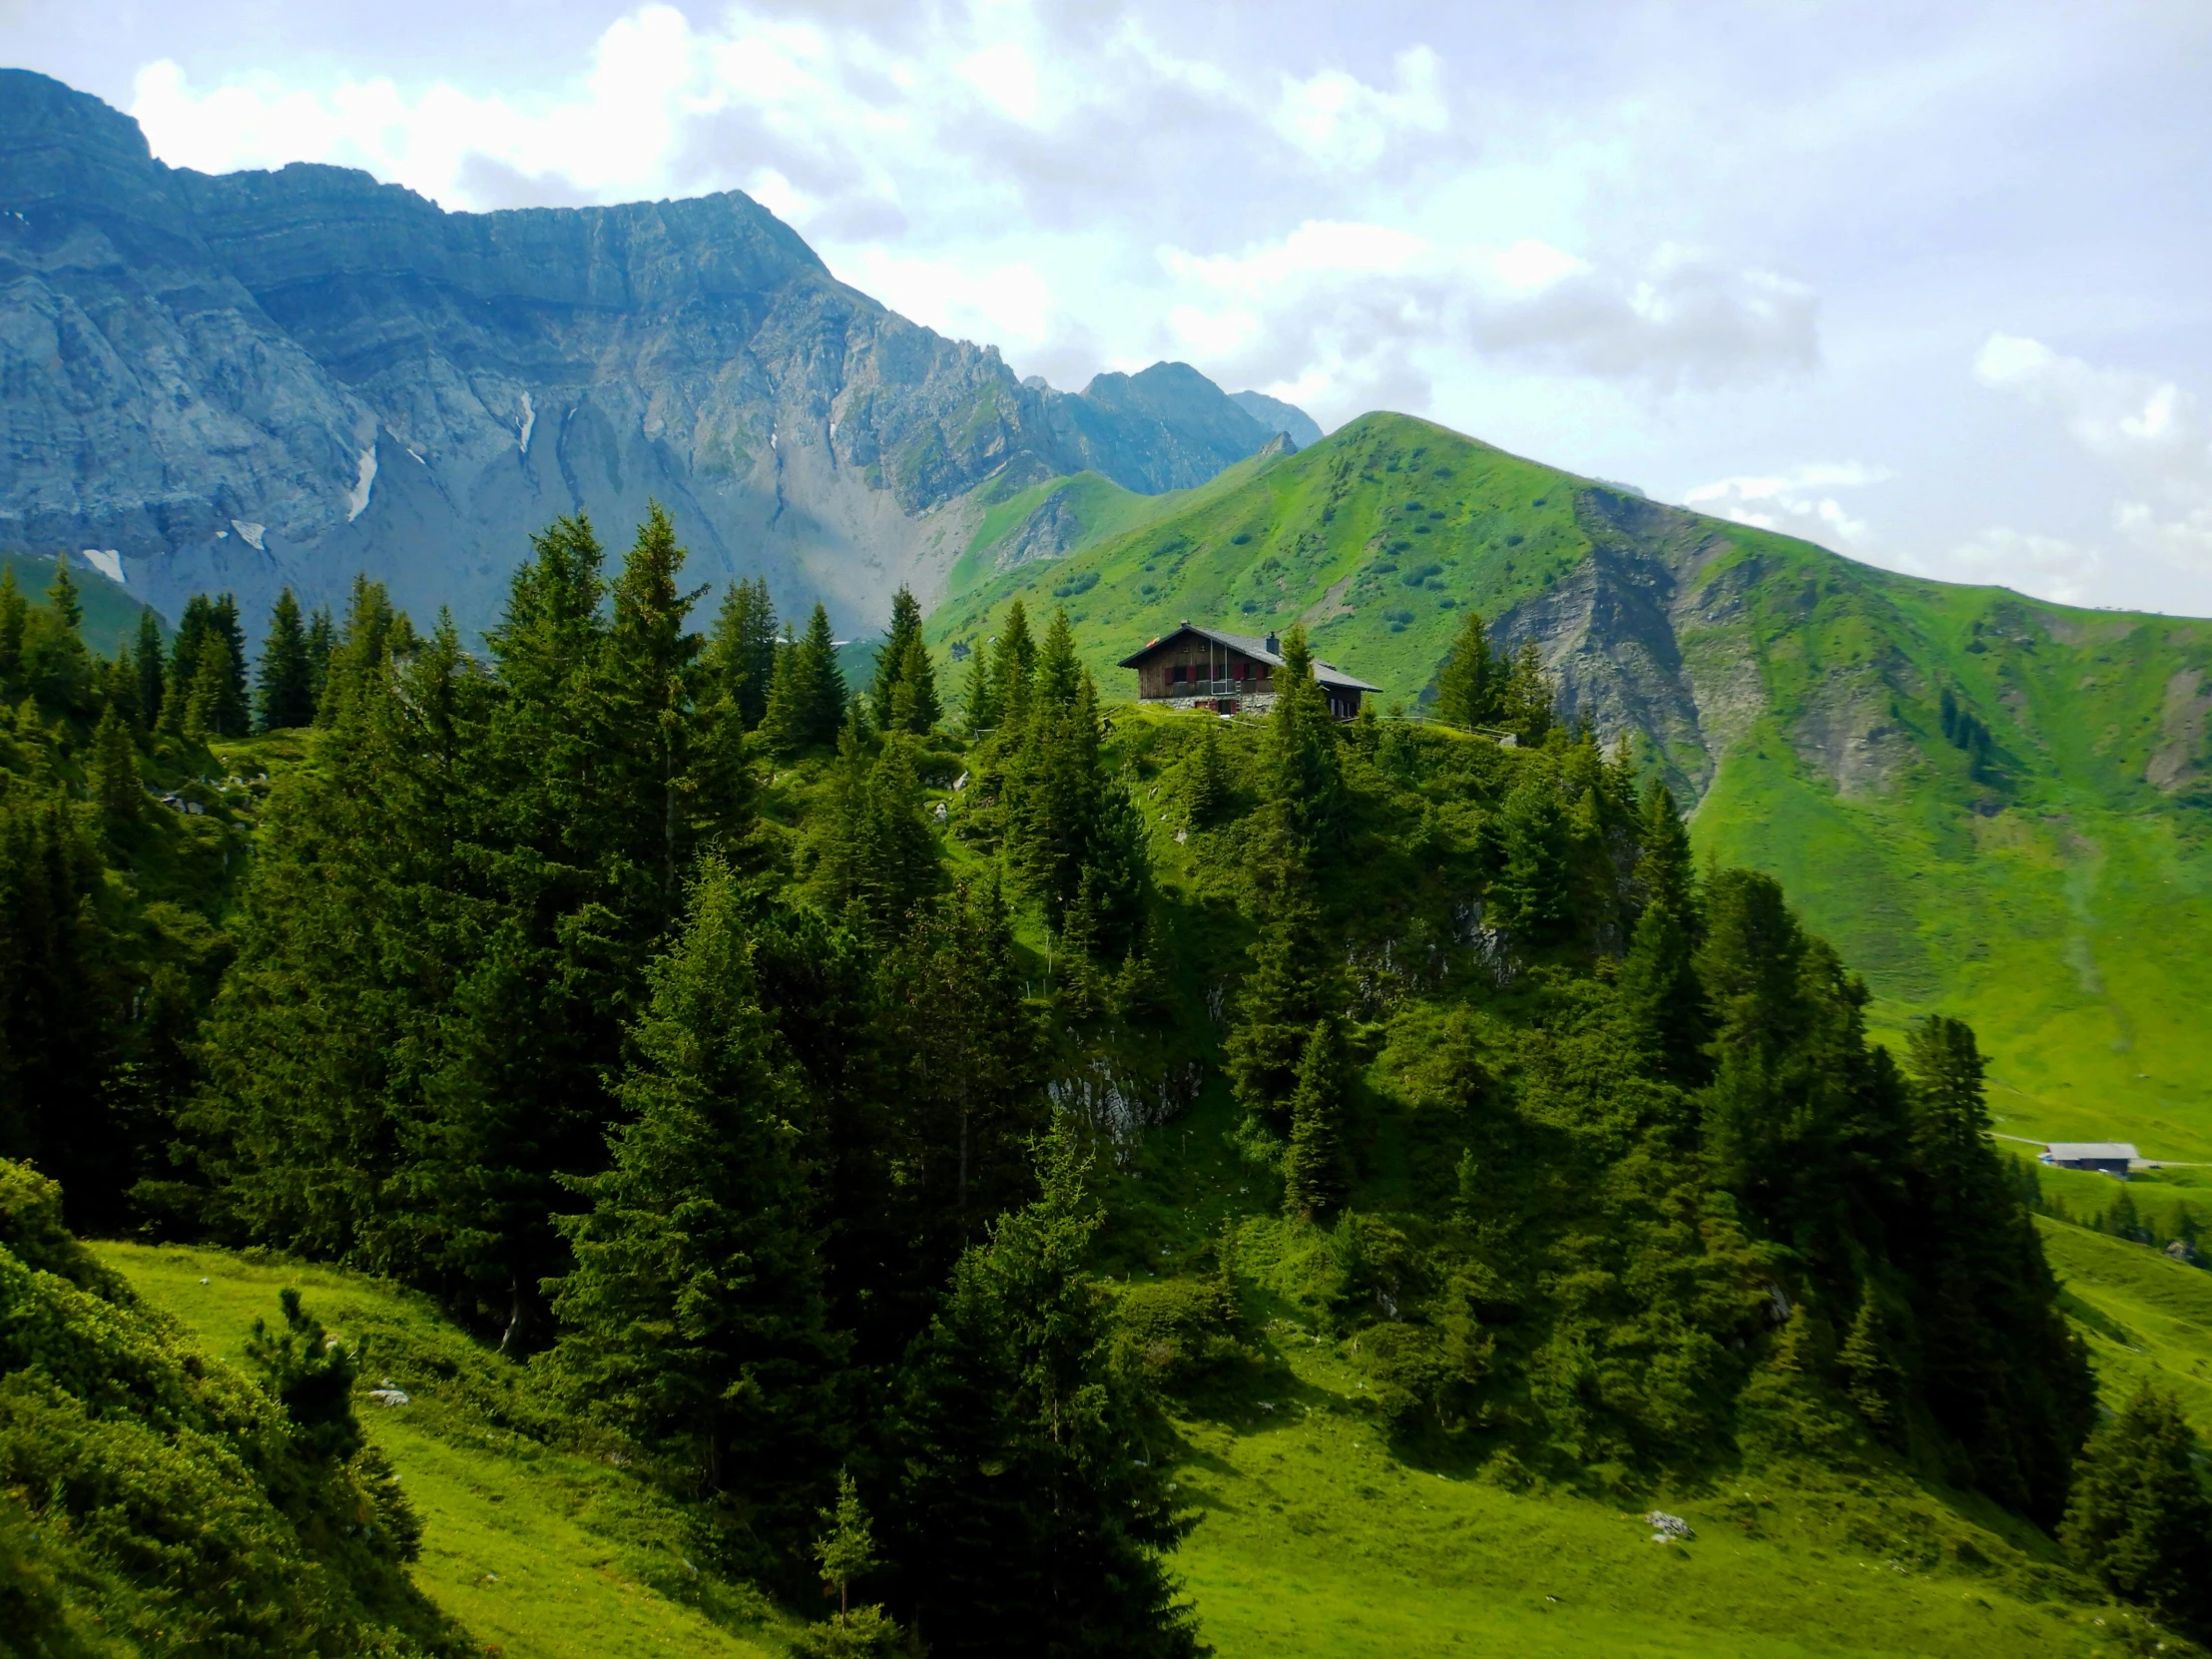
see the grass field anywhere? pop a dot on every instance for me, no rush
(537, 1550)
(1315, 1540)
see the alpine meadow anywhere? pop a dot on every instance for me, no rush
(1332, 1044)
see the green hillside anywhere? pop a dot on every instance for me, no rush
(2035, 861)
(1315, 1543)
(110, 614)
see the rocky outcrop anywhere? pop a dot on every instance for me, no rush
(261, 378)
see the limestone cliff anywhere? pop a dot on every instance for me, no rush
(269, 377)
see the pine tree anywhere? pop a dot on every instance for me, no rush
(2140, 1519)
(694, 1317)
(1529, 698)
(1013, 662)
(741, 657)
(1873, 1379)
(232, 715)
(1291, 984)
(1033, 1515)
(60, 598)
(978, 702)
(323, 638)
(1533, 894)
(646, 779)
(284, 692)
(1206, 788)
(914, 706)
(1468, 685)
(115, 773)
(1659, 986)
(146, 659)
(890, 658)
(208, 695)
(1313, 1165)
(1303, 778)
(806, 700)
(15, 614)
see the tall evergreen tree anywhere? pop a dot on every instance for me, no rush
(62, 600)
(15, 614)
(878, 858)
(694, 1317)
(1659, 986)
(806, 700)
(2140, 1519)
(1313, 1164)
(1469, 685)
(115, 773)
(979, 700)
(192, 628)
(208, 701)
(741, 657)
(1013, 662)
(146, 658)
(1304, 776)
(1034, 1515)
(1533, 892)
(1527, 703)
(891, 656)
(285, 689)
(323, 639)
(232, 715)
(914, 704)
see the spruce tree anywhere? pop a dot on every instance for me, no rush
(2140, 1519)
(978, 700)
(1659, 986)
(233, 714)
(647, 777)
(806, 700)
(1527, 702)
(323, 636)
(1533, 892)
(1303, 778)
(1034, 1512)
(741, 657)
(694, 1317)
(209, 695)
(1313, 1164)
(284, 692)
(1291, 982)
(1013, 660)
(146, 661)
(62, 600)
(1468, 685)
(891, 657)
(914, 706)
(15, 614)
(115, 773)
(1206, 785)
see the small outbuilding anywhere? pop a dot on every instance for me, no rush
(1203, 667)
(2107, 1157)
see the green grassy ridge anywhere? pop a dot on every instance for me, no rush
(537, 1548)
(1314, 1539)
(2054, 901)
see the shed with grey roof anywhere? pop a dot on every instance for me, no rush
(2110, 1157)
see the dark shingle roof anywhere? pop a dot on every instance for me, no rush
(1253, 646)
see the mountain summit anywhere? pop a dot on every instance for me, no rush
(259, 378)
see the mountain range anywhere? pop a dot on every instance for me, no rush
(261, 378)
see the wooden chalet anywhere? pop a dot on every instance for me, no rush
(1203, 667)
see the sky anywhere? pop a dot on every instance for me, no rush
(1925, 284)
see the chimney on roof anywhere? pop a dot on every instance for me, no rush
(1275, 646)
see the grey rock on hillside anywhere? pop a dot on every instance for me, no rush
(269, 377)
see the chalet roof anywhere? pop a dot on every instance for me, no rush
(1249, 645)
(2076, 1152)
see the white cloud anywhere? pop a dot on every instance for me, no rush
(2146, 428)
(1799, 502)
(2049, 567)
(1342, 122)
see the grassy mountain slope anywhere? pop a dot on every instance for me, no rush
(2047, 880)
(537, 1549)
(1315, 1541)
(110, 614)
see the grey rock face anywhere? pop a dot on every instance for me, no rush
(262, 378)
(1275, 415)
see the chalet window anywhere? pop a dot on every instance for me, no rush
(1182, 673)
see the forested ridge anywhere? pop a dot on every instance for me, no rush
(797, 1077)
